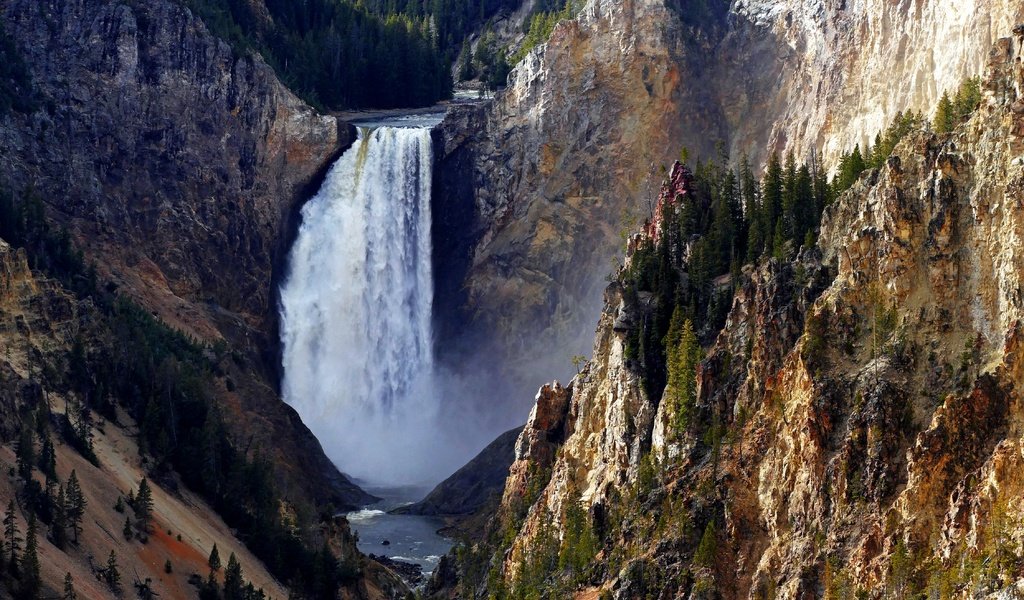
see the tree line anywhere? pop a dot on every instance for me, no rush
(337, 54)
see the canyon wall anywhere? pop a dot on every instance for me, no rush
(177, 164)
(858, 418)
(566, 157)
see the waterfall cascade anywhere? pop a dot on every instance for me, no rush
(356, 310)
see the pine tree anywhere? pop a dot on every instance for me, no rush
(76, 503)
(69, 588)
(704, 555)
(111, 574)
(144, 505)
(25, 453)
(214, 560)
(684, 354)
(59, 526)
(12, 541)
(168, 567)
(127, 531)
(234, 585)
(48, 459)
(30, 581)
(772, 195)
(944, 117)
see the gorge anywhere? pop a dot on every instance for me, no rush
(794, 223)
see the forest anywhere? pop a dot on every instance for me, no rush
(335, 54)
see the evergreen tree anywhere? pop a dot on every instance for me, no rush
(805, 214)
(59, 526)
(128, 532)
(214, 560)
(25, 453)
(944, 117)
(168, 567)
(704, 556)
(967, 99)
(772, 198)
(684, 354)
(144, 505)
(75, 503)
(48, 459)
(789, 198)
(69, 588)
(12, 541)
(850, 167)
(31, 583)
(234, 585)
(111, 574)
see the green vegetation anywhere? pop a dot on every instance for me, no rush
(541, 26)
(853, 164)
(951, 113)
(127, 359)
(684, 354)
(490, 62)
(337, 54)
(719, 220)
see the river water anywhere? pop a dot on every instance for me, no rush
(410, 538)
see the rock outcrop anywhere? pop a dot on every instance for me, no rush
(567, 156)
(860, 410)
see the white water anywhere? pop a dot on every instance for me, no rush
(356, 313)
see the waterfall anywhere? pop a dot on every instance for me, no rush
(356, 310)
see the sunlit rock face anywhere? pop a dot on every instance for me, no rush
(850, 442)
(825, 75)
(572, 150)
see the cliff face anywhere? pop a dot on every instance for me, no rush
(568, 154)
(175, 161)
(859, 412)
(177, 165)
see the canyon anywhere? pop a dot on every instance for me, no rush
(180, 164)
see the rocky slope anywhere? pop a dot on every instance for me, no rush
(567, 155)
(178, 165)
(40, 323)
(858, 423)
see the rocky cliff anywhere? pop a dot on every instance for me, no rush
(857, 419)
(177, 164)
(567, 155)
(175, 160)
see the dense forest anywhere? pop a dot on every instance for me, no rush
(129, 362)
(336, 54)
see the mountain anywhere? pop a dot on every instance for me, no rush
(852, 430)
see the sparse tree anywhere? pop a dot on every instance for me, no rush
(234, 585)
(12, 541)
(944, 118)
(69, 588)
(111, 574)
(30, 581)
(59, 525)
(144, 505)
(75, 504)
(25, 453)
